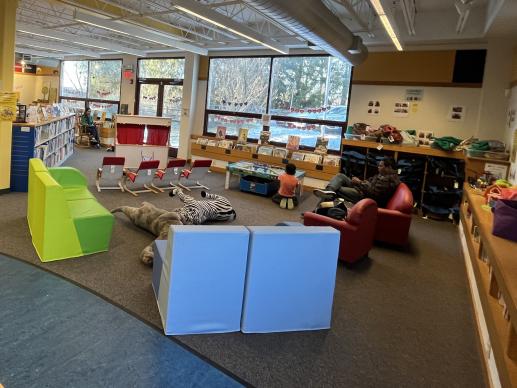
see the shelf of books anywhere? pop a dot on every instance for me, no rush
(52, 141)
(317, 165)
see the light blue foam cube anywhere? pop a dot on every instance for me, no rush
(290, 278)
(202, 277)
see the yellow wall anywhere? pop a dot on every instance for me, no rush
(7, 41)
(514, 67)
(29, 86)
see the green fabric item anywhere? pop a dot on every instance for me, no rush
(86, 120)
(349, 129)
(446, 143)
(480, 146)
(93, 223)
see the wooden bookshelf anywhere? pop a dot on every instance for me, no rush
(312, 170)
(427, 151)
(493, 276)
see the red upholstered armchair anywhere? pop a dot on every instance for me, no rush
(393, 222)
(357, 230)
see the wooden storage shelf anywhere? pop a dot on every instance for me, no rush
(427, 151)
(312, 170)
(502, 262)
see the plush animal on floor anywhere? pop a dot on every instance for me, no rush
(157, 221)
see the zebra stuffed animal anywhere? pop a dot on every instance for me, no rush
(194, 212)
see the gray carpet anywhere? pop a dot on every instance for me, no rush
(402, 318)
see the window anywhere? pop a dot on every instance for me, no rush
(104, 80)
(159, 91)
(170, 68)
(239, 84)
(307, 96)
(92, 84)
(74, 79)
(310, 87)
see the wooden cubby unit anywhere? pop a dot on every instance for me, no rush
(494, 264)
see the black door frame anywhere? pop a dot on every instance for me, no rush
(161, 82)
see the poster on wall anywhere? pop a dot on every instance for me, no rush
(401, 109)
(374, 107)
(414, 94)
(414, 107)
(498, 171)
(457, 113)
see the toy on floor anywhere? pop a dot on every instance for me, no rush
(157, 221)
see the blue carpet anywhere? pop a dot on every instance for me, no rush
(55, 334)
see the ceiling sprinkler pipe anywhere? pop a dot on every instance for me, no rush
(317, 24)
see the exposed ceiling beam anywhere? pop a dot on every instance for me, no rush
(137, 32)
(31, 29)
(112, 10)
(195, 9)
(56, 47)
(352, 12)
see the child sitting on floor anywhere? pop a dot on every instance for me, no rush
(286, 195)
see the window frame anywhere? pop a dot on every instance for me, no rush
(161, 82)
(86, 99)
(342, 124)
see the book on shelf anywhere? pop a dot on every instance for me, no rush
(297, 155)
(227, 144)
(331, 160)
(264, 137)
(322, 145)
(280, 153)
(243, 135)
(293, 142)
(221, 132)
(212, 143)
(245, 147)
(265, 150)
(312, 158)
(202, 141)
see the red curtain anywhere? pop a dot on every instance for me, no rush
(157, 135)
(130, 133)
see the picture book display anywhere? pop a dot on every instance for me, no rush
(312, 158)
(264, 137)
(280, 153)
(331, 160)
(227, 144)
(297, 155)
(202, 141)
(322, 144)
(293, 142)
(265, 150)
(243, 135)
(221, 132)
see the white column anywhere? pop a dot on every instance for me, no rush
(496, 81)
(188, 105)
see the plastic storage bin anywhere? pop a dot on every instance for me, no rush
(488, 154)
(261, 186)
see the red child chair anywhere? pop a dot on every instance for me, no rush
(189, 179)
(168, 178)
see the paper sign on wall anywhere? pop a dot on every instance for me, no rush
(457, 113)
(401, 109)
(414, 94)
(374, 108)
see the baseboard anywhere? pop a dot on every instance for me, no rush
(4, 191)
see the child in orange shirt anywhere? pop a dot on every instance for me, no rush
(286, 195)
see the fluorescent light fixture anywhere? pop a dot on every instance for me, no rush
(43, 35)
(77, 39)
(137, 32)
(198, 11)
(376, 4)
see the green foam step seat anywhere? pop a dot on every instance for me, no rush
(65, 219)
